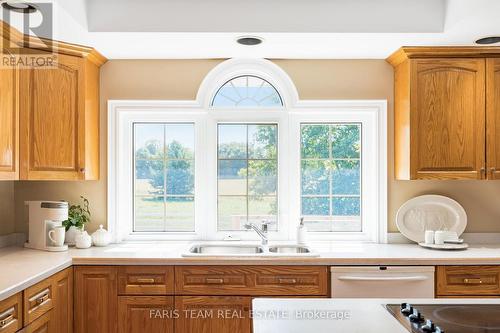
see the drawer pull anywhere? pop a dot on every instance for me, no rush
(473, 281)
(6, 321)
(42, 299)
(287, 281)
(145, 280)
(214, 281)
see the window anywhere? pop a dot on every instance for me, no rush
(247, 150)
(164, 177)
(247, 176)
(247, 91)
(331, 176)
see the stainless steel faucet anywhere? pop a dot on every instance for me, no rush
(260, 230)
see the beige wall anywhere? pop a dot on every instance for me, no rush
(315, 79)
(7, 221)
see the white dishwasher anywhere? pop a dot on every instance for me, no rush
(382, 281)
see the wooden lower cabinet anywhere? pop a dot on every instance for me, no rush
(62, 313)
(11, 314)
(146, 314)
(96, 299)
(468, 281)
(213, 314)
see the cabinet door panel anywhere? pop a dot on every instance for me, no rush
(96, 299)
(146, 314)
(62, 313)
(52, 123)
(448, 117)
(213, 314)
(493, 117)
(9, 123)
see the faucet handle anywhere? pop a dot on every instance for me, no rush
(265, 224)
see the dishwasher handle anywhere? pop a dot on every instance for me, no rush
(383, 278)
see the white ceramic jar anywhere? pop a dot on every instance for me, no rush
(101, 237)
(71, 235)
(83, 240)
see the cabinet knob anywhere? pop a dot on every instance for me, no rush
(82, 169)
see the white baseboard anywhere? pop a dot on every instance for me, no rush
(12, 239)
(469, 237)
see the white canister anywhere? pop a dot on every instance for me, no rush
(101, 237)
(429, 237)
(83, 240)
(439, 237)
(71, 235)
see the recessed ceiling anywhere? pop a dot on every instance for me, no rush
(298, 16)
(316, 29)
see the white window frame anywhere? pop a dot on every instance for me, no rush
(371, 113)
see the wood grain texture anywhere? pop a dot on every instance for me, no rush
(41, 325)
(59, 131)
(419, 52)
(210, 314)
(251, 280)
(146, 314)
(36, 43)
(145, 280)
(12, 306)
(493, 118)
(37, 300)
(62, 313)
(49, 132)
(468, 281)
(447, 117)
(96, 299)
(92, 123)
(9, 123)
(402, 121)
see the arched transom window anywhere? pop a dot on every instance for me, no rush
(247, 91)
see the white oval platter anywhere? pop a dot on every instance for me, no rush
(430, 212)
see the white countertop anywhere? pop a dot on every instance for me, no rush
(23, 267)
(299, 315)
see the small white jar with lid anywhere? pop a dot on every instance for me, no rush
(101, 237)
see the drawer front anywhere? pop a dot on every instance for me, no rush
(38, 300)
(251, 280)
(291, 280)
(145, 280)
(468, 281)
(41, 325)
(11, 314)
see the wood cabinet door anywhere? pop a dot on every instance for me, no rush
(9, 124)
(213, 314)
(96, 299)
(493, 118)
(52, 121)
(146, 314)
(471, 281)
(62, 313)
(447, 119)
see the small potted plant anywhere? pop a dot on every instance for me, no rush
(78, 216)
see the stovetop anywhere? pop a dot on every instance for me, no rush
(447, 318)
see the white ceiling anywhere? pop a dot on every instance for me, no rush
(352, 29)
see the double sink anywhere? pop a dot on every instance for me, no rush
(248, 250)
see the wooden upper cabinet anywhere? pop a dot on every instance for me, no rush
(59, 112)
(9, 123)
(448, 116)
(440, 113)
(493, 118)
